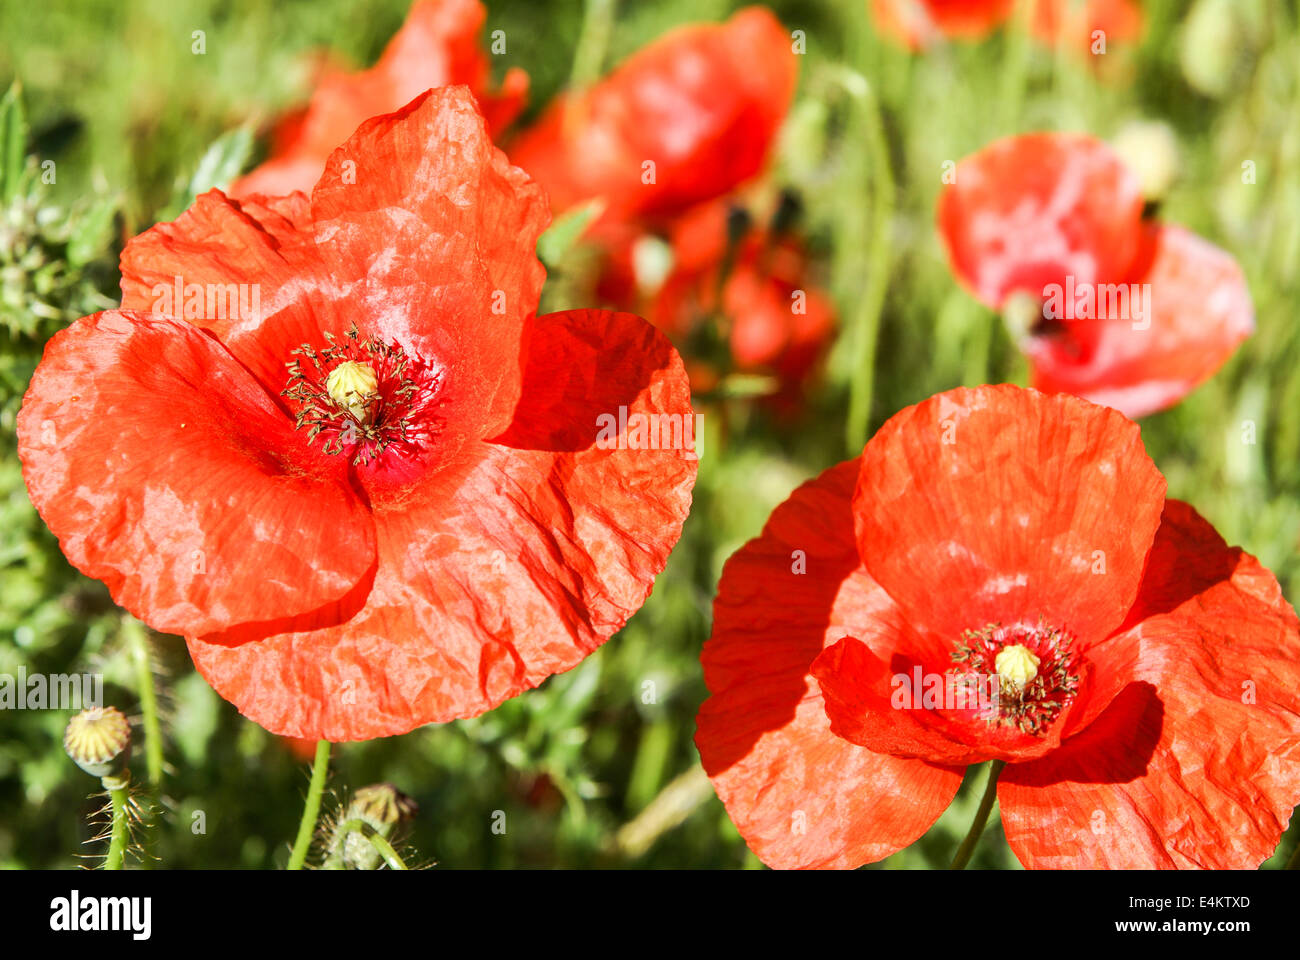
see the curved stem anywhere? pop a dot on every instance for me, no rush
(117, 844)
(311, 809)
(967, 848)
(381, 845)
(153, 752)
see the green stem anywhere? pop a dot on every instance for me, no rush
(1015, 76)
(381, 845)
(866, 321)
(153, 748)
(117, 844)
(589, 57)
(967, 848)
(311, 809)
(1294, 862)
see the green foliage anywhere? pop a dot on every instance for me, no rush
(137, 125)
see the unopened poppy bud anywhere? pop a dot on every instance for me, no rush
(354, 386)
(98, 740)
(382, 807)
(1017, 664)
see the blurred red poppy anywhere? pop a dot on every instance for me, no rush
(1117, 309)
(918, 24)
(751, 290)
(1082, 23)
(456, 534)
(1146, 700)
(437, 46)
(686, 119)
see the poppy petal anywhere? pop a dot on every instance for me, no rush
(495, 574)
(1032, 210)
(437, 46)
(1003, 505)
(858, 685)
(437, 235)
(1197, 762)
(800, 795)
(167, 472)
(918, 24)
(1200, 310)
(684, 120)
(246, 270)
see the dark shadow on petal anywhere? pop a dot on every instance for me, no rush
(1115, 748)
(577, 373)
(1187, 558)
(795, 642)
(330, 615)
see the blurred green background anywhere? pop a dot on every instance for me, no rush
(586, 773)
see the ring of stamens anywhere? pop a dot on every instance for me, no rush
(362, 394)
(1039, 675)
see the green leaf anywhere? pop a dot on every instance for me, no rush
(92, 232)
(565, 231)
(223, 161)
(13, 141)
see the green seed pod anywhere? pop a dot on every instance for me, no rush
(98, 740)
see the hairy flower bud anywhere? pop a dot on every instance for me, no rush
(382, 808)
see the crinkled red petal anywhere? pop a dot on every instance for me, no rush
(501, 571)
(434, 234)
(167, 472)
(1197, 762)
(800, 795)
(1004, 505)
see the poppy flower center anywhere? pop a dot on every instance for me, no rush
(362, 395)
(1036, 669)
(355, 387)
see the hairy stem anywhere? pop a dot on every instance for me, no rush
(117, 844)
(381, 845)
(140, 653)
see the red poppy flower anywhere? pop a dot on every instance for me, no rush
(1075, 24)
(457, 532)
(684, 120)
(1146, 704)
(753, 289)
(437, 46)
(1122, 311)
(920, 23)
